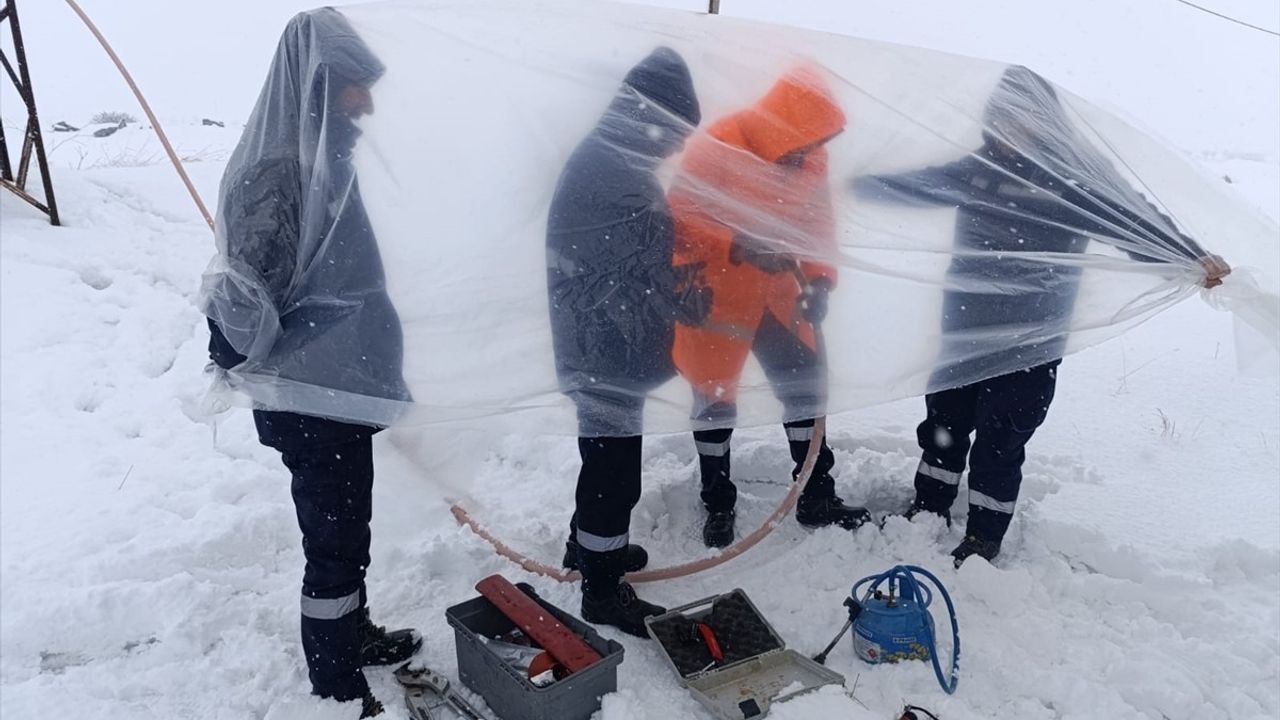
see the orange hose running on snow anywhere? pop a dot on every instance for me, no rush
(674, 571)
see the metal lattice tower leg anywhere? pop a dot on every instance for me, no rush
(33, 140)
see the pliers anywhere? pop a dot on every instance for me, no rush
(425, 691)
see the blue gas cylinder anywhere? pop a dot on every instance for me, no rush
(892, 629)
(891, 620)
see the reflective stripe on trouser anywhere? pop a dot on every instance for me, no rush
(936, 488)
(330, 608)
(942, 475)
(712, 449)
(599, 543)
(982, 500)
(799, 434)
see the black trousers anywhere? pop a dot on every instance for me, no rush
(797, 375)
(719, 494)
(608, 490)
(609, 480)
(332, 467)
(1001, 415)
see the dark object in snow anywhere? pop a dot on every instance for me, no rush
(911, 712)
(107, 131)
(216, 123)
(1228, 179)
(64, 127)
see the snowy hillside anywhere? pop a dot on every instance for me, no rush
(149, 556)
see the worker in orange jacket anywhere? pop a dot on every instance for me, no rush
(753, 217)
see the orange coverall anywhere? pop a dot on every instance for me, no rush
(756, 179)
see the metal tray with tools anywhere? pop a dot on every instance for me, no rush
(756, 669)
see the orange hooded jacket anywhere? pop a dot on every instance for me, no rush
(732, 185)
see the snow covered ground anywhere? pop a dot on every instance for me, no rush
(149, 561)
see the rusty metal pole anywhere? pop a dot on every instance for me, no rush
(32, 140)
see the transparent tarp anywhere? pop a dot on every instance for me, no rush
(609, 219)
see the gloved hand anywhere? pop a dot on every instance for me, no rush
(813, 300)
(693, 299)
(758, 254)
(697, 305)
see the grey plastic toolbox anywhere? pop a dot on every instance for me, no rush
(507, 691)
(758, 669)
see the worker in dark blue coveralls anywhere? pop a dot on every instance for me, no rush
(292, 228)
(615, 299)
(1034, 187)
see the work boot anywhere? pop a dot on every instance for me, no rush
(637, 557)
(815, 511)
(620, 608)
(606, 600)
(819, 505)
(918, 507)
(370, 707)
(378, 646)
(974, 545)
(717, 532)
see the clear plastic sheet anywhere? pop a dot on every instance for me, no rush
(609, 219)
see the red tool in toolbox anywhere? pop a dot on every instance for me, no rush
(559, 641)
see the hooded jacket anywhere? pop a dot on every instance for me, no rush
(614, 295)
(1035, 187)
(736, 185)
(297, 292)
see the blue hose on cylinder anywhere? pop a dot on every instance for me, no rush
(897, 626)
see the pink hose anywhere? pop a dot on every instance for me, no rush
(674, 571)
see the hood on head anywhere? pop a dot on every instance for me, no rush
(324, 40)
(799, 111)
(656, 108)
(1024, 112)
